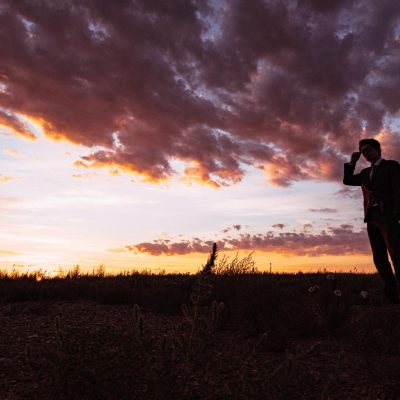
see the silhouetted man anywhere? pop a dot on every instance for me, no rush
(380, 185)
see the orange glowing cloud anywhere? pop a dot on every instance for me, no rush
(114, 168)
(202, 175)
(11, 123)
(7, 252)
(83, 176)
(5, 179)
(47, 128)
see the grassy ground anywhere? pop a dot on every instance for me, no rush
(237, 334)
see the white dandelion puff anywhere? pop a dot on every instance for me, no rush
(337, 292)
(364, 294)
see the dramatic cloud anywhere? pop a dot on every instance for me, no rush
(340, 240)
(284, 86)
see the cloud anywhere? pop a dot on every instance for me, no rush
(279, 226)
(13, 153)
(9, 201)
(324, 210)
(117, 250)
(5, 178)
(390, 144)
(350, 192)
(84, 176)
(7, 252)
(338, 240)
(286, 87)
(15, 125)
(236, 227)
(165, 246)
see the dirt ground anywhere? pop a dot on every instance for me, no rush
(64, 350)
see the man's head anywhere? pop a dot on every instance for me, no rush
(370, 149)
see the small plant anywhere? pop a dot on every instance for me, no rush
(313, 289)
(208, 267)
(100, 271)
(329, 306)
(236, 267)
(137, 321)
(29, 360)
(74, 273)
(215, 316)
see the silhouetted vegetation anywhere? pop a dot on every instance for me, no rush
(226, 332)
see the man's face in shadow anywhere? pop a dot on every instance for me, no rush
(371, 154)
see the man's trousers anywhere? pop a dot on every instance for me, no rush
(384, 238)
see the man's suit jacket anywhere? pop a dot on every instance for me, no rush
(384, 187)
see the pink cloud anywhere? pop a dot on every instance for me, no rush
(339, 240)
(236, 227)
(279, 226)
(324, 210)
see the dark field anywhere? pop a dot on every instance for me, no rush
(206, 336)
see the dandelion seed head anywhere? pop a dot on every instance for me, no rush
(364, 294)
(330, 277)
(337, 292)
(313, 288)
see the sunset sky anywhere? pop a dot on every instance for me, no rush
(135, 134)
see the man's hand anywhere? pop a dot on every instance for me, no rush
(355, 157)
(349, 178)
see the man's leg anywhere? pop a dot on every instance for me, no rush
(381, 260)
(392, 240)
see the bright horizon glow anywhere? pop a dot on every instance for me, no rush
(56, 215)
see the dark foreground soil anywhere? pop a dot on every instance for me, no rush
(84, 350)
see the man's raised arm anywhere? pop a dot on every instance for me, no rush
(348, 177)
